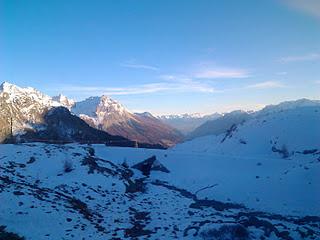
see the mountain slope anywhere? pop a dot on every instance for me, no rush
(59, 125)
(272, 160)
(267, 131)
(109, 115)
(34, 116)
(24, 105)
(220, 124)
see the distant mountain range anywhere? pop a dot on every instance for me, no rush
(186, 123)
(27, 114)
(34, 116)
(109, 115)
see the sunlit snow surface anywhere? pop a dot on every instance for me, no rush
(235, 179)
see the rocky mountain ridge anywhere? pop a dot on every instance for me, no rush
(27, 109)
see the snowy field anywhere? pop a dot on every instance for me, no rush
(100, 197)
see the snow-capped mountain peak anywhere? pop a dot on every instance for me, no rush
(4, 86)
(99, 107)
(11, 93)
(64, 101)
(13, 89)
(26, 107)
(184, 115)
(110, 106)
(109, 115)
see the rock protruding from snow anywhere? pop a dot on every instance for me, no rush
(150, 164)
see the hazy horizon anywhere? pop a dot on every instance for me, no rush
(227, 110)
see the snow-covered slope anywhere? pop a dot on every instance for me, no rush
(109, 115)
(289, 105)
(219, 125)
(97, 192)
(270, 162)
(296, 129)
(259, 180)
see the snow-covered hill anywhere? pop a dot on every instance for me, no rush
(296, 129)
(289, 105)
(98, 192)
(272, 160)
(223, 123)
(219, 125)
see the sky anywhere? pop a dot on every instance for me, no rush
(165, 57)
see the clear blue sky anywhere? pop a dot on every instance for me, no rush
(164, 56)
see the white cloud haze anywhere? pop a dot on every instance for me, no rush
(213, 73)
(134, 64)
(301, 58)
(183, 86)
(310, 7)
(266, 85)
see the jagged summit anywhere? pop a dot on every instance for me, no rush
(97, 106)
(13, 93)
(111, 116)
(109, 106)
(26, 114)
(64, 101)
(5, 84)
(11, 88)
(25, 106)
